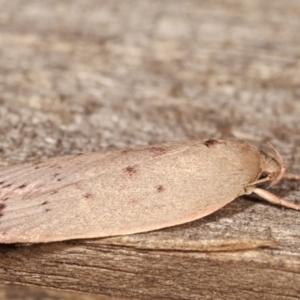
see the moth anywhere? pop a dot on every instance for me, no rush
(126, 191)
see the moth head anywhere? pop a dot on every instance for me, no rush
(272, 167)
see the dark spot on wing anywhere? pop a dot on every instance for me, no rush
(87, 195)
(5, 199)
(36, 167)
(47, 209)
(58, 179)
(125, 151)
(55, 174)
(160, 188)
(22, 186)
(8, 185)
(44, 203)
(156, 151)
(2, 182)
(130, 170)
(211, 142)
(2, 206)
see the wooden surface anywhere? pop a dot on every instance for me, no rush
(21, 292)
(90, 75)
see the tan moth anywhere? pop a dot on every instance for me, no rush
(128, 191)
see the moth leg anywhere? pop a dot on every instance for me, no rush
(291, 176)
(275, 199)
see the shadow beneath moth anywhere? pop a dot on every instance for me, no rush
(126, 191)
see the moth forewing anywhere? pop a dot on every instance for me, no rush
(129, 190)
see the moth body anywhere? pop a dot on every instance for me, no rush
(130, 190)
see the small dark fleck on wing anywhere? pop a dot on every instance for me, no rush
(125, 151)
(160, 188)
(211, 142)
(130, 170)
(2, 206)
(22, 186)
(7, 186)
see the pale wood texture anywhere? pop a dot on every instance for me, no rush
(89, 75)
